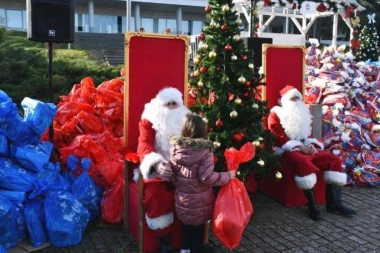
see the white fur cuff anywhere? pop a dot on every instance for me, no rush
(335, 177)
(290, 145)
(147, 164)
(159, 222)
(306, 182)
(314, 141)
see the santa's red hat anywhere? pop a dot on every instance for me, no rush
(289, 92)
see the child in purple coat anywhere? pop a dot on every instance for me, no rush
(192, 161)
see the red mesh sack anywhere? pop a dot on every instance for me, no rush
(233, 208)
(112, 204)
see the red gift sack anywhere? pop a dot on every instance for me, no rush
(233, 208)
(112, 204)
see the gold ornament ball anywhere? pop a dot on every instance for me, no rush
(260, 139)
(250, 66)
(216, 144)
(236, 38)
(238, 101)
(242, 79)
(225, 8)
(212, 54)
(338, 60)
(261, 163)
(233, 114)
(196, 73)
(256, 143)
(239, 21)
(278, 176)
(205, 120)
(200, 84)
(233, 58)
(196, 60)
(255, 106)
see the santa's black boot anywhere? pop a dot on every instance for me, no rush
(334, 200)
(312, 208)
(164, 242)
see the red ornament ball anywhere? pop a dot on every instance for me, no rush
(257, 25)
(228, 48)
(217, 69)
(246, 94)
(238, 136)
(244, 57)
(356, 31)
(224, 27)
(216, 159)
(219, 123)
(208, 9)
(211, 129)
(294, 6)
(321, 7)
(203, 69)
(255, 35)
(247, 83)
(202, 36)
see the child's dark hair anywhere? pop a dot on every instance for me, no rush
(194, 127)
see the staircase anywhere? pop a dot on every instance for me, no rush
(110, 45)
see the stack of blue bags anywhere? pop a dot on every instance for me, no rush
(37, 201)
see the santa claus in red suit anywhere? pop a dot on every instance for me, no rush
(291, 124)
(161, 119)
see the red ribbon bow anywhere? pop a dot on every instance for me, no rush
(355, 44)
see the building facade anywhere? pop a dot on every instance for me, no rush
(109, 16)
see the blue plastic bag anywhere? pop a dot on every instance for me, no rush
(32, 156)
(35, 221)
(66, 219)
(8, 236)
(49, 180)
(13, 196)
(16, 178)
(18, 131)
(85, 190)
(20, 222)
(3, 145)
(72, 162)
(38, 115)
(7, 107)
(2, 249)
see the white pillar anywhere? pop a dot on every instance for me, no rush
(335, 30)
(128, 15)
(179, 20)
(137, 18)
(91, 16)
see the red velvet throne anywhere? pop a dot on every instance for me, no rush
(152, 62)
(285, 65)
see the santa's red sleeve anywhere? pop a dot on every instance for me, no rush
(282, 141)
(146, 150)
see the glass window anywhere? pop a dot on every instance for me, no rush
(124, 24)
(185, 27)
(2, 17)
(24, 23)
(147, 23)
(14, 19)
(161, 25)
(197, 27)
(172, 24)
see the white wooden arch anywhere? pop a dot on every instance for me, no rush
(242, 6)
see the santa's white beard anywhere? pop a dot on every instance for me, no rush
(296, 119)
(167, 124)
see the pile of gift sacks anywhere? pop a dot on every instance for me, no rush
(45, 200)
(350, 94)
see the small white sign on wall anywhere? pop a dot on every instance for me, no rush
(308, 7)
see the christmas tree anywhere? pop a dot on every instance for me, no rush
(226, 92)
(368, 41)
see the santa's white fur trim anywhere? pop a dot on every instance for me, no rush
(169, 94)
(184, 251)
(159, 222)
(278, 151)
(306, 182)
(335, 177)
(314, 141)
(146, 166)
(290, 94)
(291, 145)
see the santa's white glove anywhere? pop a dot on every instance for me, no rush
(164, 169)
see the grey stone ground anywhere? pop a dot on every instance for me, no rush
(275, 228)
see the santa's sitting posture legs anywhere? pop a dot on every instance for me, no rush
(306, 168)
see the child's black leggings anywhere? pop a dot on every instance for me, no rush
(192, 237)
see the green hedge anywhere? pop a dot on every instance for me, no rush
(24, 68)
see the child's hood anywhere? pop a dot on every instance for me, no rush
(189, 150)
